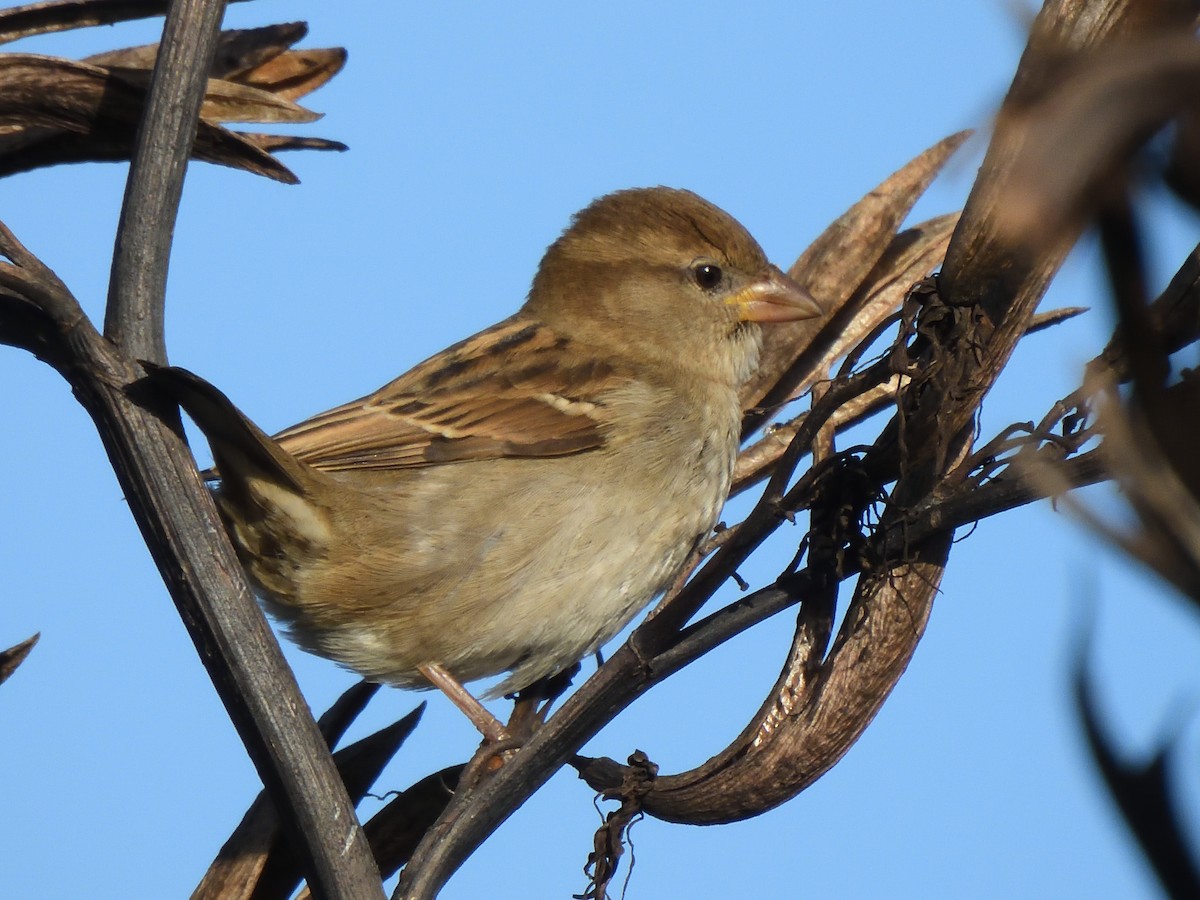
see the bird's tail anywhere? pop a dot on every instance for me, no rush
(240, 448)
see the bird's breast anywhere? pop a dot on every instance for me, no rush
(524, 565)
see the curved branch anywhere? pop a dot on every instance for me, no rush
(137, 290)
(175, 513)
(816, 710)
(178, 521)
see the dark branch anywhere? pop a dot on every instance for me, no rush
(146, 229)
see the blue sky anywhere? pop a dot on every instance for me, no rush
(475, 131)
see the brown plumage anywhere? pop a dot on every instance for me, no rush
(510, 503)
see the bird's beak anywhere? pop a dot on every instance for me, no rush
(774, 297)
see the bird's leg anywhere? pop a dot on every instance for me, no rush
(489, 726)
(526, 718)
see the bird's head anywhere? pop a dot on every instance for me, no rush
(665, 276)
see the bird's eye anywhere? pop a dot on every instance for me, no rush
(707, 275)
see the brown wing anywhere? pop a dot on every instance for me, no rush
(512, 390)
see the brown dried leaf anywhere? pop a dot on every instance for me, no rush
(99, 114)
(345, 709)
(1051, 317)
(237, 50)
(274, 143)
(297, 72)
(14, 656)
(64, 15)
(912, 255)
(61, 148)
(833, 268)
(225, 101)
(242, 50)
(253, 57)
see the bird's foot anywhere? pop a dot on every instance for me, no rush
(529, 710)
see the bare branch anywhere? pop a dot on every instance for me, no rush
(137, 291)
(258, 861)
(34, 281)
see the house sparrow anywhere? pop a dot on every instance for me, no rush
(512, 502)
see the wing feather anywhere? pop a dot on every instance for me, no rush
(517, 389)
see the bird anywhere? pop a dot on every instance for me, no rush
(508, 505)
